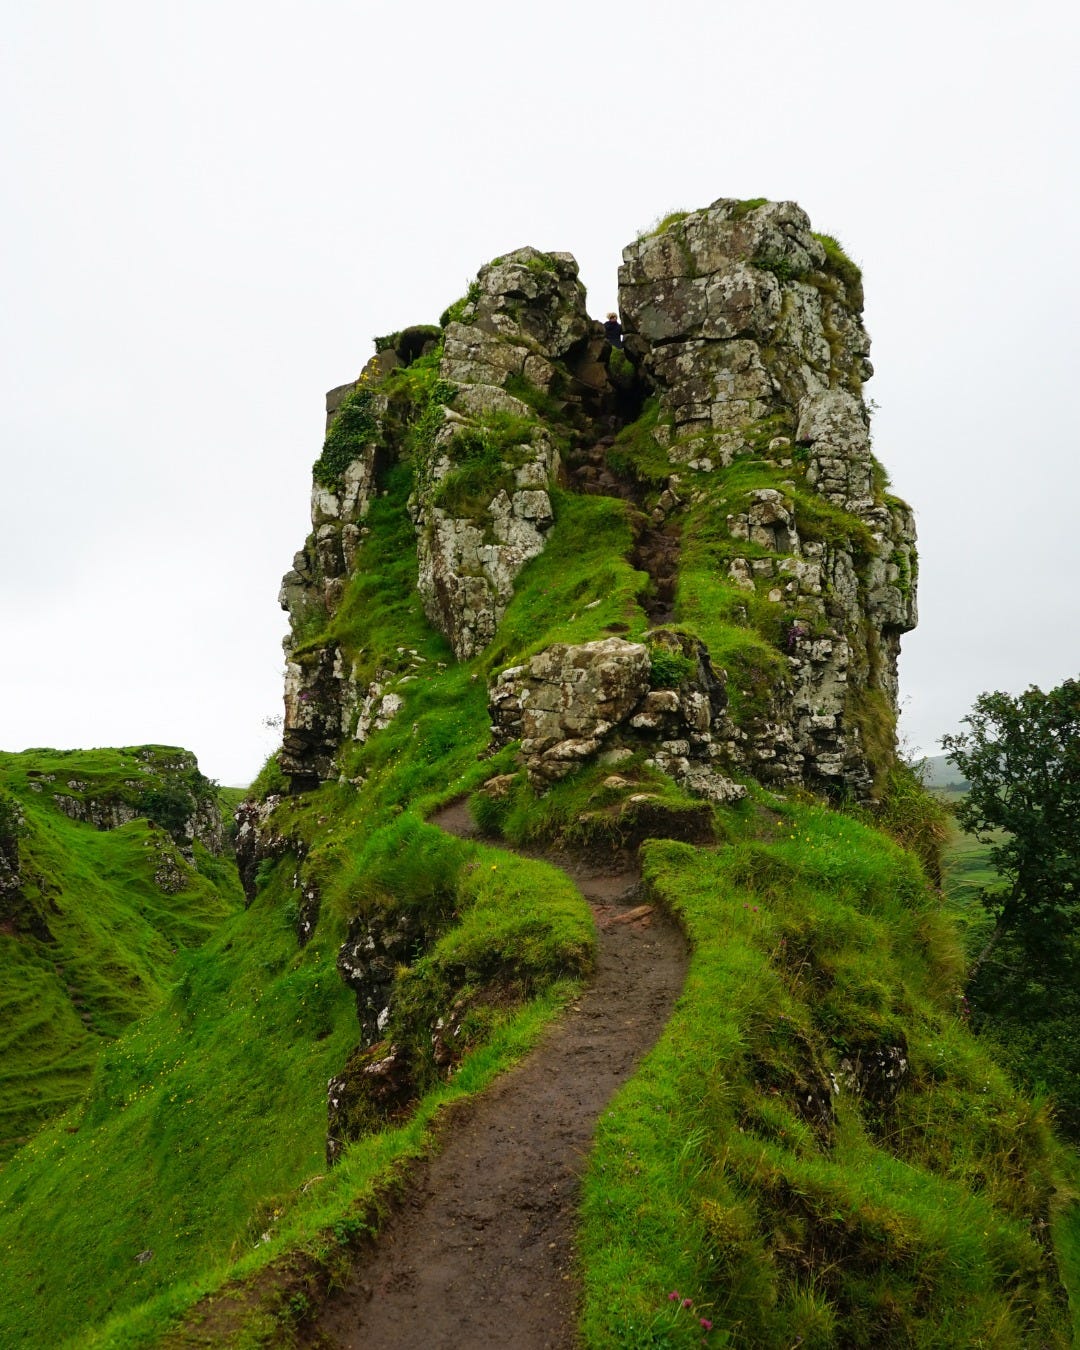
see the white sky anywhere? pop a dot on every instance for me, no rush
(208, 209)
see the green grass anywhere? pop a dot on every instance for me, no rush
(93, 942)
(579, 589)
(172, 1051)
(857, 1222)
(584, 809)
(168, 1151)
(663, 224)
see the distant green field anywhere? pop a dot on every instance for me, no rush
(967, 872)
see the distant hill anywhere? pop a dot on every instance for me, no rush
(940, 772)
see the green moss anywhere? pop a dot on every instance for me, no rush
(637, 453)
(381, 609)
(579, 589)
(667, 668)
(547, 406)
(352, 432)
(780, 265)
(585, 808)
(484, 457)
(868, 709)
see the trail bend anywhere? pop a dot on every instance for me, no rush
(481, 1252)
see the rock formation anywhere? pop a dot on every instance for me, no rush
(163, 785)
(747, 324)
(743, 330)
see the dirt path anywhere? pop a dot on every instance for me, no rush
(481, 1253)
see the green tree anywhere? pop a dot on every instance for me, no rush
(1021, 757)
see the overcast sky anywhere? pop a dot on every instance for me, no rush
(209, 208)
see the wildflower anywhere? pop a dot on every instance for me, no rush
(673, 1297)
(688, 1302)
(706, 1324)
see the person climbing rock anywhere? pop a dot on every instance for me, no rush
(613, 330)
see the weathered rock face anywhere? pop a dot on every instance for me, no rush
(527, 312)
(527, 315)
(747, 328)
(260, 839)
(734, 313)
(570, 703)
(369, 958)
(10, 876)
(174, 795)
(468, 563)
(748, 324)
(319, 700)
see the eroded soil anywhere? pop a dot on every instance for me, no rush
(481, 1253)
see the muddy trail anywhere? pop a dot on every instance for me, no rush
(481, 1251)
(656, 539)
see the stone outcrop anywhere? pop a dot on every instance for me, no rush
(749, 327)
(526, 316)
(10, 874)
(526, 312)
(569, 704)
(468, 563)
(319, 700)
(172, 793)
(377, 945)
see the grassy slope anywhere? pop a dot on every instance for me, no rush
(901, 1224)
(115, 934)
(813, 937)
(171, 1151)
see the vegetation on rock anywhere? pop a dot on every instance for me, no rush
(818, 1151)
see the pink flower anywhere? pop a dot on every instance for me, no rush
(674, 1296)
(688, 1302)
(705, 1323)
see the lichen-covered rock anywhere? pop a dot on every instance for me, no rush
(567, 699)
(528, 312)
(750, 328)
(10, 875)
(468, 563)
(174, 795)
(568, 704)
(375, 1084)
(528, 316)
(319, 699)
(254, 840)
(376, 946)
(734, 313)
